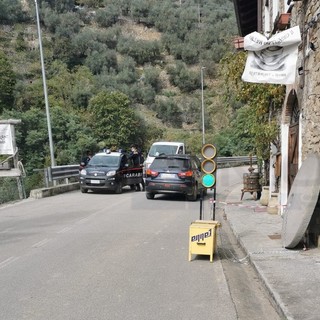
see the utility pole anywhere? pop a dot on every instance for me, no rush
(45, 88)
(202, 107)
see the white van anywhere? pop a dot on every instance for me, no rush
(164, 148)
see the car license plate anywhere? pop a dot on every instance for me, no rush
(167, 175)
(95, 181)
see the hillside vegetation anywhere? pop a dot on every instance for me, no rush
(118, 72)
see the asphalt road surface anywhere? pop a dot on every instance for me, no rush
(120, 256)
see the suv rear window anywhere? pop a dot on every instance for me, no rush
(170, 163)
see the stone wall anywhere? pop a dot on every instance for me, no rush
(306, 14)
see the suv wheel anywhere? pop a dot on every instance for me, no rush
(149, 195)
(194, 195)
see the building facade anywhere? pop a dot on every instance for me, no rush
(300, 118)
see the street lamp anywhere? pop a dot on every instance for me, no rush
(202, 107)
(45, 88)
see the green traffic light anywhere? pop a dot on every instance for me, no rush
(208, 180)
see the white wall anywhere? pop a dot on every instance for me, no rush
(266, 27)
(284, 166)
(275, 9)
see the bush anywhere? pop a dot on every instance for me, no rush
(107, 17)
(168, 111)
(8, 190)
(184, 79)
(141, 51)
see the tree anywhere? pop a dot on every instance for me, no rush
(183, 78)
(107, 17)
(98, 61)
(90, 3)
(141, 51)
(139, 9)
(10, 11)
(151, 77)
(113, 120)
(168, 112)
(61, 6)
(70, 134)
(70, 89)
(260, 104)
(7, 83)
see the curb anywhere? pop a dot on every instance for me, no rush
(52, 191)
(274, 297)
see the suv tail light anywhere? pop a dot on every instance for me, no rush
(152, 173)
(185, 174)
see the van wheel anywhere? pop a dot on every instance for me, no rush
(119, 188)
(149, 195)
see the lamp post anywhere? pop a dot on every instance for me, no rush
(45, 88)
(202, 107)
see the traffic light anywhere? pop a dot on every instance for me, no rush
(208, 165)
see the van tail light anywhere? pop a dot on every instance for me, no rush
(185, 174)
(152, 173)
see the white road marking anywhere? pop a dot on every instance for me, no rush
(64, 230)
(8, 261)
(83, 220)
(6, 230)
(41, 243)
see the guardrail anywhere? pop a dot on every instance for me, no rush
(72, 171)
(56, 173)
(236, 161)
(63, 172)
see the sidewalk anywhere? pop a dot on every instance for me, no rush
(292, 277)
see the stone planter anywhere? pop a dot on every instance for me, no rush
(264, 199)
(273, 205)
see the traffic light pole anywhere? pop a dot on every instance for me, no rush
(214, 204)
(201, 205)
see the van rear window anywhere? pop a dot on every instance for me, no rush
(158, 150)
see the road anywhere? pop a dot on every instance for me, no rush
(105, 256)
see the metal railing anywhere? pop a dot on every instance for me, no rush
(66, 172)
(63, 172)
(236, 161)
(52, 175)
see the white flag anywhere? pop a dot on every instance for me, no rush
(272, 60)
(6, 144)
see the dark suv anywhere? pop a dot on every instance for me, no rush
(110, 171)
(180, 174)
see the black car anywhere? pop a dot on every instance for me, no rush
(180, 174)
(110, 171)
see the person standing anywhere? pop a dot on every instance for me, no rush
(137, 161)
(85, 159)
